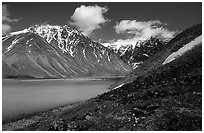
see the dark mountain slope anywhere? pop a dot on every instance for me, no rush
(46, 51)
(165, 97)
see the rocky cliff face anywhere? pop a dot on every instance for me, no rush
(46, 51)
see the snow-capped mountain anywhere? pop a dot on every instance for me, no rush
(47, 51)
(136, 54)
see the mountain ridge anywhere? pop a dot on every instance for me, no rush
(135, 55)
(58, 52)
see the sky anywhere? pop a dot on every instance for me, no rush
(114, 22)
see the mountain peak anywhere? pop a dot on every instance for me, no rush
(135, 55)
(62, 36)
(50, 32)
(51, 28)
(50, 51)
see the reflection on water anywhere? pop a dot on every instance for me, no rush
(22, 97)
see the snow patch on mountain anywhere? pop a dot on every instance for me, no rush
(183, 50)
(136, 64)
(120, 44)
(118, 86)
(146, 55)
(19, 32)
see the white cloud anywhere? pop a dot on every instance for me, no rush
(140, 30)
(88, 18)
(6, 19)
(6, 28)
(143, 29)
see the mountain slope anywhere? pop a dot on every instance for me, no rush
(46, 51)
(158, 58)
(135, 56)
(164, 97)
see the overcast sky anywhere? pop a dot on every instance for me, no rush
(106, 22)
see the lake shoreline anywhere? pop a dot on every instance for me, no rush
(68, 79)
(23, 120)
(27, 121)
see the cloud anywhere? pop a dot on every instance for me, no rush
(141, 30)
(6, 20)
(6, 28)
(88, 18)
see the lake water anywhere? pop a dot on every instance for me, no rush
(23, 97)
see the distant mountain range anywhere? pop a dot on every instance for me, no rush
(47, 51)
(135, 55)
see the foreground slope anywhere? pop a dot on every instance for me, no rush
(46, 51)
(168, 96)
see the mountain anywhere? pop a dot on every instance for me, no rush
(158, 58)
(164, 93)
(135, 55)
(47, 51)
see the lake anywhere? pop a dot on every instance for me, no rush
(27, 96)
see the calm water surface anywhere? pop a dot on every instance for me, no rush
(24, 97)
